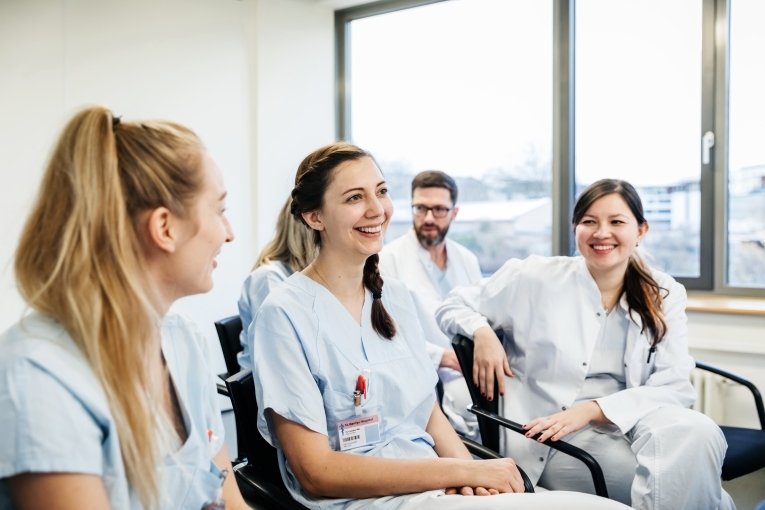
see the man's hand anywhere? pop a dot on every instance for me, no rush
(561, 424)
(449, 360)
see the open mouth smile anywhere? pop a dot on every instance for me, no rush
(370, 230)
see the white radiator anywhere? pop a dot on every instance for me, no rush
(711, 389)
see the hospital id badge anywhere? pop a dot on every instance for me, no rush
(359, 431)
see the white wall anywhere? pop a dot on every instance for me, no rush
(735, 343)
(254, 79)
(295, 87)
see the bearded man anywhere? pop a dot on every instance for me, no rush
(431, 266)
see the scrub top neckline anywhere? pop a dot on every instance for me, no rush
(364, 332)
(187, 421)
(364, 311)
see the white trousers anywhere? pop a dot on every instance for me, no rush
(437, 500)
(670, 460)
(456, 400)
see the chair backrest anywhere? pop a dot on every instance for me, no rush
(463, 348)
(260, 455)
(228, 333)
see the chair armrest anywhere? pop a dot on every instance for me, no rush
(222, 390)
(481, 451)
(597, 473)
(267, 493)
(745, 382)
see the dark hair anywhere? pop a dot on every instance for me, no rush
(314, 176)
(435, 179)
(644, 295)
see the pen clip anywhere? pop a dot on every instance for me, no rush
(650, 353)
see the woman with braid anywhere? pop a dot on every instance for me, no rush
(344, 383)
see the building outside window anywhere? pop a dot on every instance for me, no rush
(746, 157)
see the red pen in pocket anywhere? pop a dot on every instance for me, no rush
(361, 386)
(362, 383)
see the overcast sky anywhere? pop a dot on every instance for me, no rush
(466, 86)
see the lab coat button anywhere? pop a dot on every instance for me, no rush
(598, 314)
(625, 365)
(541, 459)
(564, 408)
(584, 364)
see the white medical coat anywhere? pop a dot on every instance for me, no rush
(548, 308)
(406, 260)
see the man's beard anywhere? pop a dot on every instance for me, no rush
(432, 241)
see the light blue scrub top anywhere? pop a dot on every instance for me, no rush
(55, 417)
(254, 291)
(441, 278)
(308, 353)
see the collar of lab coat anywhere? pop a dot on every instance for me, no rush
(636, 323)
(587, 278)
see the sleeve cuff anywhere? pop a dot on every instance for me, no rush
(617, 427)
(435, 353)
(474, 324)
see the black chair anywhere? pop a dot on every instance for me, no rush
(228, 333)
(228, 330)
(746, 447)
(489, 420)
(258, 472)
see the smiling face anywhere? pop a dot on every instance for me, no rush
(431, 231)
(203, 232)
(356, 210)
(608, 234)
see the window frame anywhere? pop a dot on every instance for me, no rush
(713, 249)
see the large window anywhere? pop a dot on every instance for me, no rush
(638, 115)
(526, 102)
(464, 87)
(746, 158)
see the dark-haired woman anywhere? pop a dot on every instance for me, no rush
(345, 386)
(597, 356)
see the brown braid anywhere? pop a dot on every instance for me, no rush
(382, 322)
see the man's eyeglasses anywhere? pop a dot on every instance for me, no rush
(438, 211)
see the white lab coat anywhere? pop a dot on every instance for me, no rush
(548, 308)
(406, 260)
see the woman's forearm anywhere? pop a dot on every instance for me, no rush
(447, 442)
(324, 472)
(359, 476)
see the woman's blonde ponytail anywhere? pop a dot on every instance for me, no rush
(79, 260)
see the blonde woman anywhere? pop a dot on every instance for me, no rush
(107, 399)
(289, 251)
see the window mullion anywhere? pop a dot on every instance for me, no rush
(563, 126)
